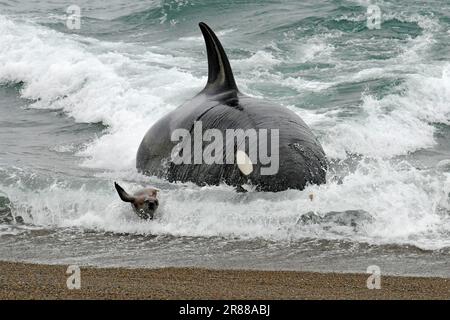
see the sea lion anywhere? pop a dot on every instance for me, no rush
(144, 202)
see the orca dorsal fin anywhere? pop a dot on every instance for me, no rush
(220, 75)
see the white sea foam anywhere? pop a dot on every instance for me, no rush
(199, 39)
(400, 123)
(405, 206)
(261, 59)
(395, 124)
(316, 48)
(59, 72)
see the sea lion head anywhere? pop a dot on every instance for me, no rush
(144, 202)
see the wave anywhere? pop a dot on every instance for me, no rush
(59, 72)
(396, 124)
(378, 203)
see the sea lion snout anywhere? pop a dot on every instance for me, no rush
(152, 204)
(144, 202)
(145, 208)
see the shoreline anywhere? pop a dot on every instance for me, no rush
(35, 281)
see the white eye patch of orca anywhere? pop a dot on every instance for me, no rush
(244, 163)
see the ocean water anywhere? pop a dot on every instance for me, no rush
(75, 104)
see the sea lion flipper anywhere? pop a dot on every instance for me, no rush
(220, 75)
(122, 193)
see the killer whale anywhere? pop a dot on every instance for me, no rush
(220, 105)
